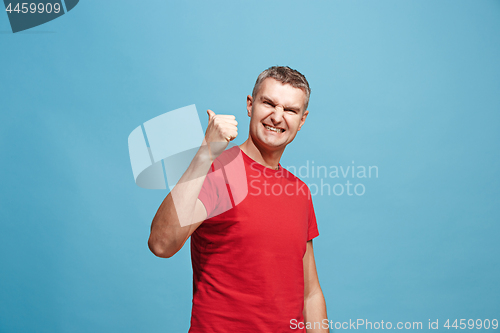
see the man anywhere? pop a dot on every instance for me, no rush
(251, 234)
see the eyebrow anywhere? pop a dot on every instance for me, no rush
(269, 99)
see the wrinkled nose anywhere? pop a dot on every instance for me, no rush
(277, 115)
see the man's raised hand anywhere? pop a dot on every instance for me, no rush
(220, 130)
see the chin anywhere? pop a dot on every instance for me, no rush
(273, 144)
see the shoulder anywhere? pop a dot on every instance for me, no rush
(289, 175)
(294, 179)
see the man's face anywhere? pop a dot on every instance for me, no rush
(277, 113)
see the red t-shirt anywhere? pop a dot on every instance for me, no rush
(247, 255)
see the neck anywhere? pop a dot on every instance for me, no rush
(266, 157)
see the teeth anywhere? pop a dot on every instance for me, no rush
(277, 130)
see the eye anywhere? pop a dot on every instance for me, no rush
(268, 103)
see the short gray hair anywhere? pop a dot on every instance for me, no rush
(285, 75)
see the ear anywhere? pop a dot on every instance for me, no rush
(303, 119)
(249, 105)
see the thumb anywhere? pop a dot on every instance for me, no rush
(211, 114)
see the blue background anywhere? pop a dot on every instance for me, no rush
(412, 87)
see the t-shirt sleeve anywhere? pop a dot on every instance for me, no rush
(213, 194)
(312, 225)
(208, 195)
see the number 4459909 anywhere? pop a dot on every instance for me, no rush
(471, 324)
(33, 8)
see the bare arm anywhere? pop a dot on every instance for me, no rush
(314, 301)
(182, 212)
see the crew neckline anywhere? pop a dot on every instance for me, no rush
(253, 162)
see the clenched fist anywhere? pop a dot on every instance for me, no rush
(221, 129)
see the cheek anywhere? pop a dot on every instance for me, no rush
(255, 124)
(293, 122)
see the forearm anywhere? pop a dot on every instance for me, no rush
(174, 220)
(179, 214)
(315, 313)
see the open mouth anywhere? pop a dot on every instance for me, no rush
(274, 129)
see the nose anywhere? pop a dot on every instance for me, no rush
(277, 115)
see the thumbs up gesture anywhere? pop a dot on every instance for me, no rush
(221, 129)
